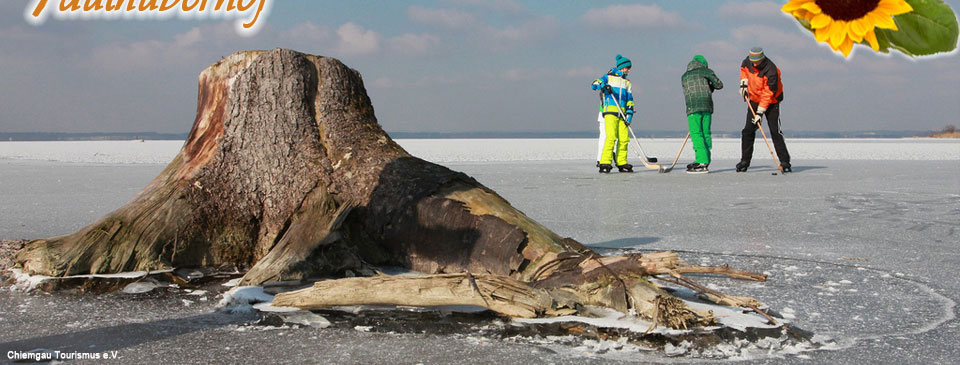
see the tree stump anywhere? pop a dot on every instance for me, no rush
(287, 173)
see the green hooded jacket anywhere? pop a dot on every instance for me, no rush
(699, 82)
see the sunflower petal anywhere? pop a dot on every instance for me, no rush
(823, 34)
(854, 36)
(871, 38)
(820, 21)
(859, 27)
(894, 7)
(846, 47)
(884, 22)
(811, 7)
(838, 32)
(793, 5)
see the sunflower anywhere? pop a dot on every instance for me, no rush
(841, 23)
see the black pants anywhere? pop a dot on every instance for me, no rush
(749, 134)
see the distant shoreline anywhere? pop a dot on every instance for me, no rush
(153, 136)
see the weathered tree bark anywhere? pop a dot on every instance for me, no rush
(287, 173)
(503, 295)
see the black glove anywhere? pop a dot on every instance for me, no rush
(743, 89)
(608, 89)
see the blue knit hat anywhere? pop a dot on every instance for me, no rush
(623, 62)
(756, 54)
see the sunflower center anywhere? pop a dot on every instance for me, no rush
(847, 9)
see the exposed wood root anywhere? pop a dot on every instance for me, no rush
(502, 295)
(724, 270)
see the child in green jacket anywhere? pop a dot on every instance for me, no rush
(699, 82)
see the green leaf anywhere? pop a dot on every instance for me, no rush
(930, 28)
(882, 41)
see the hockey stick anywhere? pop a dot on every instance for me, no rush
(643, 156)
(662, 169)
(760, 127)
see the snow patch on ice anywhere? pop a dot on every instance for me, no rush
(269, 307)
(736, 318)
(788, 313)
(27, 282)
(716, 287)
(241, 299)
(305, 318)
(232, 283)
(731, 317)
(606, 318)
(141, 287)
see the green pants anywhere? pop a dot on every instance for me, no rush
(699, 124)
(617, 136)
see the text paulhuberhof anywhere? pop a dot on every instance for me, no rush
(20, 356)
(246, 11)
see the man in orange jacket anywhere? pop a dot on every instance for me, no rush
(760, 83)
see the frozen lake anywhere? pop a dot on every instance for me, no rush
(500, 150)
(861, 244)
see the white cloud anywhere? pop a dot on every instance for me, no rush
(444, 18)
(517, 74)
(883, 64)
(754, 10)
(770, 37)
(536, 29)
(790, 50)
(473, 29)
(506, 6)
(413, 43)
(189, 38)
(355, 40)
(632, 16)
(952, 76)
(583, 72)
(443, 79)
(309, 33)
(721, 50)
(384, 83)
(184, 49)
(811, 65)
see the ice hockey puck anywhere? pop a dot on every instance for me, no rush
(773, 173)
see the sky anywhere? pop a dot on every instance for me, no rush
(467, 66)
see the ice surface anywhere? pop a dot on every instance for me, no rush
(874, 220)
(101, 152)
(492, 150)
